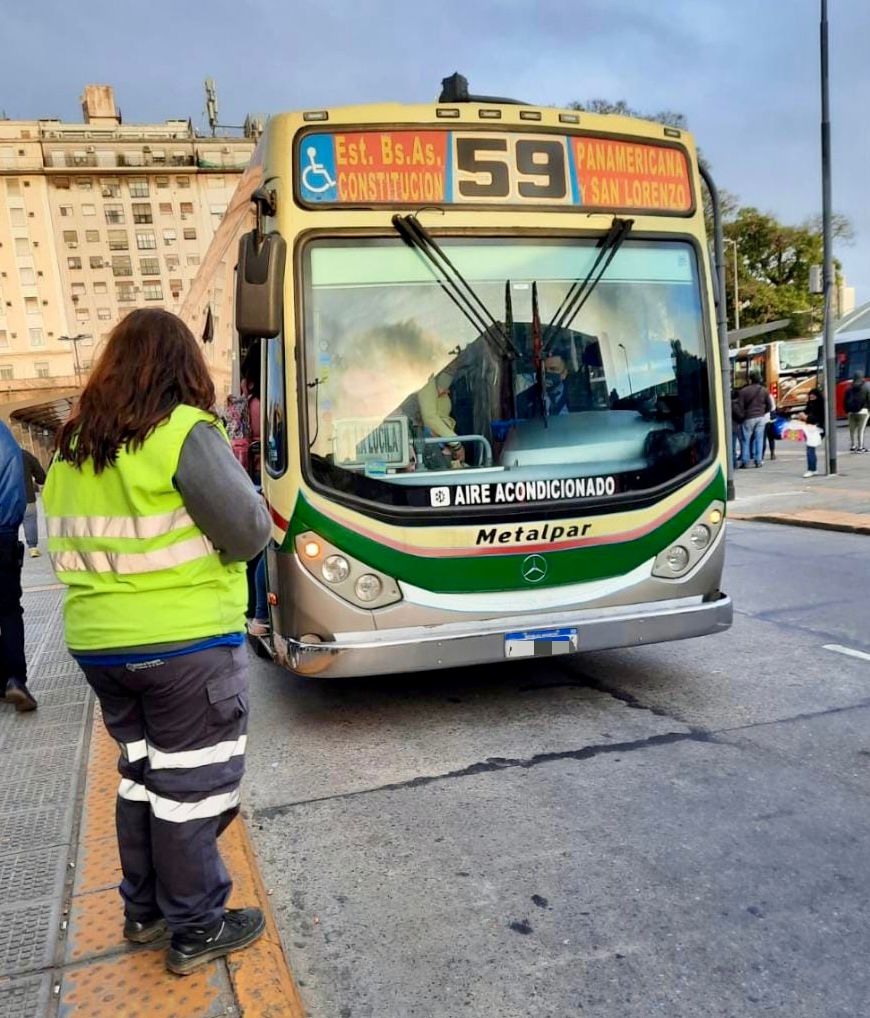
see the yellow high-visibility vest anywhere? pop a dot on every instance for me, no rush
(138, 570)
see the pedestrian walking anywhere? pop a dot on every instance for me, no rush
(754, 404)
(856, 401)
(736, 429)
(150, 522)
(13, 665)
(814, 415)
(34, 476)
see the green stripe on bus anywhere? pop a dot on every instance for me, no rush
(455, 574)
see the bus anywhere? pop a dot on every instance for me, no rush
(852, 351)
(492, 417)
(788, 367)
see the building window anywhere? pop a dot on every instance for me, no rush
(163, 182)
(61, 183)
(138, 188)
(110, 188)
(158, 157)
(71, 238)
(175, 287)
(193, 259)
(142, 214)
(169, 237)
(215, 181)
(78, 289)
(28, 277)
(125, 294)
(66, 210)
(74, 263)
(149, 266)
(82, 315)
(22, 247)
(115, 214)
(7, 372)
(13, 187)
(186, 208)
(17, 217)
(152, 291)
(189, 233)
(182, 182)
(96, 261)
(92, 236)
(4, 338)
(31, 305)
(118, 240)
(41, 369)
(172, 262)
(122, 265)
(146, 241)
(104, 314)
(89, 210)
(85, 184)
(37, 337)
(101, 287)
(166, 208)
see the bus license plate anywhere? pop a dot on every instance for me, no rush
(540, 643)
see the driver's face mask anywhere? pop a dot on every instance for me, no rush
(552, 380)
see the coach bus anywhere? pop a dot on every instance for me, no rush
(852, 340)
(788, 367)
(492, 423)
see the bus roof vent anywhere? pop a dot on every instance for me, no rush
(455, 90)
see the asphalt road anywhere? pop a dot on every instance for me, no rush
(676, 831)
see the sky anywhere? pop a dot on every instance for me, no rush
(744, 72)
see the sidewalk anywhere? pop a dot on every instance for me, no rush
(778, 492)
(61, 951)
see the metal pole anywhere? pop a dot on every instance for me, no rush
(830, 385)
(75, 344)
(721, 326)
(736, 291)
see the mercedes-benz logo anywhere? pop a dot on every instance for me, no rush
(534, 568)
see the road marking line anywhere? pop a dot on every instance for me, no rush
(848, 651)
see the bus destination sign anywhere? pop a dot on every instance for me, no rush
(425, 167)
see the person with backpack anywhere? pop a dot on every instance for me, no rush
(754, 404)
(856, 402)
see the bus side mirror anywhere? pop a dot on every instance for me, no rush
(260, 285)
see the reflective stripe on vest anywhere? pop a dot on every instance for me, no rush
(126, 563)
(141, 527)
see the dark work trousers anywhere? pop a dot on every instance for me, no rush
(12, 663)
(181, 723)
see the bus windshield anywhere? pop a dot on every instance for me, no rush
(411, 401)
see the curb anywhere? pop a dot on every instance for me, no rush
(845, 523)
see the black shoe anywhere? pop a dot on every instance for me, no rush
(773, 456)
(18, 693)
(238, 928)
(742, 466)
(144, 933)
(757, 464)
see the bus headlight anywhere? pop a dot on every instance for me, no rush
(335, 568)
(677, 558)
(690, 547)
(345, 577)
(368, 587)
(700, 536)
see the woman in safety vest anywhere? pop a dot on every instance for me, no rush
(151, 520)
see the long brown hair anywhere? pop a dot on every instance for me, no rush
(151, 364)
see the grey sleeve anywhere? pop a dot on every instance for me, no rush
(220, 496)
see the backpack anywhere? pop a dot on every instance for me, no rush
(237, 419)
(854, 398)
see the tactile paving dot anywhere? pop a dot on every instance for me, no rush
(25, 998)
(26, 938)
(98, 866)
(28, 876)
(137, 985)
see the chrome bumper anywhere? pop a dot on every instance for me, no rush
(460, 644)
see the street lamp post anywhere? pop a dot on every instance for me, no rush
(827, 235)
(75, 340)
(728, 240)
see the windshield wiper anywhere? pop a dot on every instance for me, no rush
(455, 285)
(581, 290)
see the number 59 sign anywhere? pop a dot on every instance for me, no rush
(424, 167)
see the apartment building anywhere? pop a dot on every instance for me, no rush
(97, 218)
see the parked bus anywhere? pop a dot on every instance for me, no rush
(852, 346)
(491, 412)
(788, 367)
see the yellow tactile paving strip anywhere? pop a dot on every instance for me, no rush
(104, 977)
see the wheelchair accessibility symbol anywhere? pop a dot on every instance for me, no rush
(318, 169)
